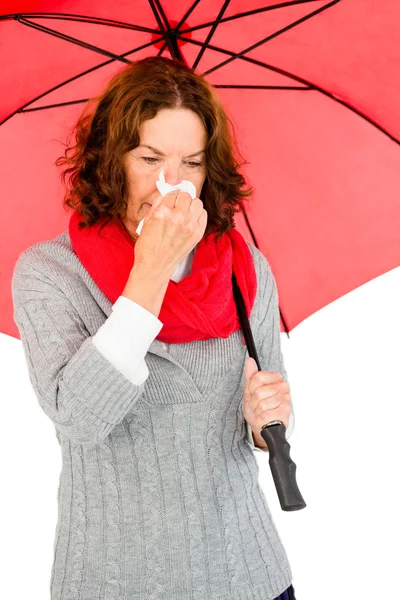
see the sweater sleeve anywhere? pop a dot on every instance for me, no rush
(81, 391)
(270, 352)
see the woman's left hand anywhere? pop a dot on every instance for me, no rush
(266, 398)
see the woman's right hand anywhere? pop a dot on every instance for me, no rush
(170, 232)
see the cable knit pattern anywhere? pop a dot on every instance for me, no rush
(60, 500)
(251, 486)
(195, 533)
(79, 529)
(153, 509)
(238, 569)
(112, 527)
(159, 496)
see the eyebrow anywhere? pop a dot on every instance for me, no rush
(162, 154)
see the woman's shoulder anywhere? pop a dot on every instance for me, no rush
(50, 264)
(60, 245)
(261, 264)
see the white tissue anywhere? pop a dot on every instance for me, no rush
(164, 188)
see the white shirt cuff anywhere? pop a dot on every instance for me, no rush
(125, 337)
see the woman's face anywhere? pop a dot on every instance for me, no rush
(178, 139)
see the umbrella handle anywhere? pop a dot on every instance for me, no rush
(282, 467)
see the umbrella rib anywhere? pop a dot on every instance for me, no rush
(263, 87)
(72, 40)
(36, 108)
(188, 12)
(310, 86)
(80, 19)
(211, 33)
(162, 13)
(249, 13)
(253, 61)
(269, 37)
(157, 17)
(107, 62)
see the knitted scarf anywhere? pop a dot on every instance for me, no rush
(201, 305)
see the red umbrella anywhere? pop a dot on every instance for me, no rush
(310, 85)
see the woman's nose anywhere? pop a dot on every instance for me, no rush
(172, 175)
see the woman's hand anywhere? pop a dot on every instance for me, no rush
(173, 227)
(266, 398)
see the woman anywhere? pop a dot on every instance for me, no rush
(159, 494)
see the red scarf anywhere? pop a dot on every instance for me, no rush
(201, 305)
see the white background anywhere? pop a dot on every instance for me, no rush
(343, 365)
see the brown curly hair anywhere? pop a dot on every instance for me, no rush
(109, 127)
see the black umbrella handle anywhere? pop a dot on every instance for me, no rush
(282, 467)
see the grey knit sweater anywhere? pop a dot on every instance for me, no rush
(158, 495)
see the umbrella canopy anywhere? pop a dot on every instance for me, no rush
(311, 86)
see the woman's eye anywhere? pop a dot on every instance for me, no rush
(150, 159)
(194, 164)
